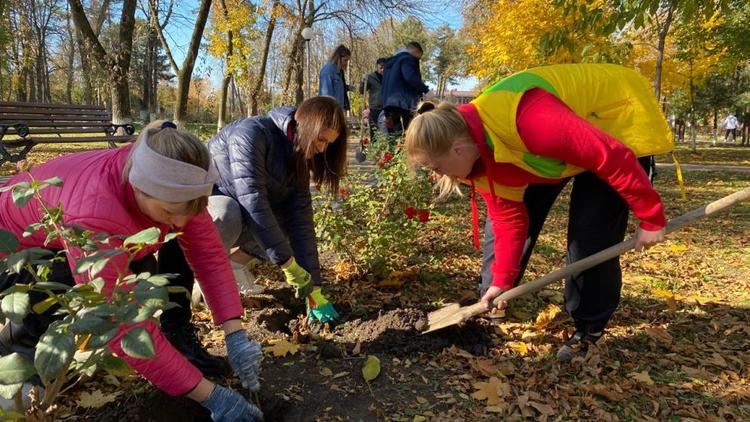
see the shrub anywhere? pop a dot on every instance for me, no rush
(375, 223)
(74, 345)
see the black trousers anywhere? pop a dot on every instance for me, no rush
(597, 219)
(172, 261)
(24, 337)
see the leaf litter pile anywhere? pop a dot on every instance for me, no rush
(676, 349)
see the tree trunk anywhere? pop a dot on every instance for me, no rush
(71, 62)
(88, 89)
(263, 61)
(185, 73)
(227, 73)
(117, 62)
(663, 32)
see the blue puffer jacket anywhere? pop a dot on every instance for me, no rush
(402, 81)
(254, 157)
(333, 84)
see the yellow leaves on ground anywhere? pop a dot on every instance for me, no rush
(96, 398)
(546, 316)
(493, 391)
(520, 347)
(642, 377)
(371, 368)
(669, 297)
(281, 348)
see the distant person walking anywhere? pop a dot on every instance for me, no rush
(332, 79)
(371, 86)
(402, 86)
(730, 127)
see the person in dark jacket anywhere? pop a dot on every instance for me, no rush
(402, 86)
(262, 202)
(332, 79)
(371, 86)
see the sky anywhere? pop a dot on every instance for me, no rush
(179, 31)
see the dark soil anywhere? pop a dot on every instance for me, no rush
(323, 381)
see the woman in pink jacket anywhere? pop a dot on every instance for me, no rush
(162, 181)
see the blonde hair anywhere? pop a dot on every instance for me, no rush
(177, 145)
(432, 132)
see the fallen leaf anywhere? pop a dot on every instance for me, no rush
(520, 347)
(643, 377)
(604, 391)
(717, 360)
(357, 348)
(371, 368)
(546, 316)
(659, 334)
(542, 408)
(341, 374)
(492, 391)
(668, 297)
(421, 400)
(486, 367)
(96, 399)
(281, 348)
(326, 372)
(678, 248)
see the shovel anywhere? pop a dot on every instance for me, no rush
(454, 313)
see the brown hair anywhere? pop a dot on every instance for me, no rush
(432, 132)
(339, 53)
(314, 116)
(177, 145)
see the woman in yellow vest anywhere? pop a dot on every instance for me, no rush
(521, 141)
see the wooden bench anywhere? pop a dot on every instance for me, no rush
(24, 125)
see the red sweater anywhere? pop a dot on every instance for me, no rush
(550, 129)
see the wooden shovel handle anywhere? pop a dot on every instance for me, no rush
(620, 248)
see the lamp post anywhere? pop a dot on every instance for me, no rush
(307, 34)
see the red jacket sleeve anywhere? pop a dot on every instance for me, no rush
(210, 263)
(510, 224)
(549, 128)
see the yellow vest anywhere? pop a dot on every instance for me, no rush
(617, 100)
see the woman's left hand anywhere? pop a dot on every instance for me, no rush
(244, 357)
(645, 239)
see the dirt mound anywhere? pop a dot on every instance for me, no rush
(397, 333)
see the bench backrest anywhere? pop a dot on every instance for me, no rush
(44, 123)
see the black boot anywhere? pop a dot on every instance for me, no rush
(184, 338)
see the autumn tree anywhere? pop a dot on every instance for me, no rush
(511, 35)
(117, 60)
(185, 72)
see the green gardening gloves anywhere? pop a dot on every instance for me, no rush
(318, 307)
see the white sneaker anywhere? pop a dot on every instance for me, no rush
(245, 278)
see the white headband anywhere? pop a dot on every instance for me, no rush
(168, 179)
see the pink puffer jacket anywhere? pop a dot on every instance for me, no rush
(95, 196)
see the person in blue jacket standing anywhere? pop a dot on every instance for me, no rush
(332, 79)
(402, 86)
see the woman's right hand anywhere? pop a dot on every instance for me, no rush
(491, 294)
(227, 405)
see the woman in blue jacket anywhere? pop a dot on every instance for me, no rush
(332, 79)
(262, 202)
